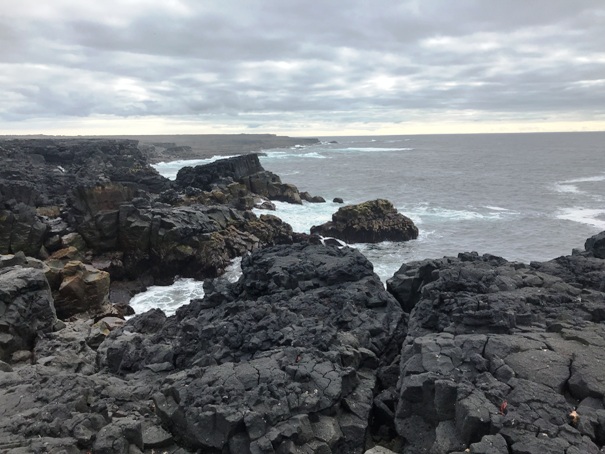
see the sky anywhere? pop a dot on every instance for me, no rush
(305, 68)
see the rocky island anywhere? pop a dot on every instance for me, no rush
(307, 352)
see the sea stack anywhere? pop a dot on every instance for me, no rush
(368, 222)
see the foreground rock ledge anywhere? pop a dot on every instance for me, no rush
(284, 360)
(369, 222)
(307, 352)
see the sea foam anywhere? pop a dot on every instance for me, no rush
(588, 216)
(170, 169)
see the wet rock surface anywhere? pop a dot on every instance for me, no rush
(368, 222)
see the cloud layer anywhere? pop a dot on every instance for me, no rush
(300, 66)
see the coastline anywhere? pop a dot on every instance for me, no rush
(305, 352)
(164, 148)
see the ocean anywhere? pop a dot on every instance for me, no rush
(523, 197)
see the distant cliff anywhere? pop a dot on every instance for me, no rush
(172, 148)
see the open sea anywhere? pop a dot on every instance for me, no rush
(520, 196)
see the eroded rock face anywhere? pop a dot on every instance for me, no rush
(368, 222)
(83, 289)
(284, 359)
(497, 355)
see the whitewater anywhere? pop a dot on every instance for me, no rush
(520, 196)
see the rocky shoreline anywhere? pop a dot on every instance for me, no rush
(307, 352)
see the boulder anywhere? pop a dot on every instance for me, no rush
(311, 199)
(368, 222)
(21, 229)
(26, 309)
(83, 289)
(596, 245)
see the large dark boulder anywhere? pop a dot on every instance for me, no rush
(596, 245)
(26, 307)
(368, 222)
(21, 229)
(283, 359)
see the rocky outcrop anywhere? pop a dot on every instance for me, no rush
(499, 356)
(230, 169)
(49, 187)
(195, 241)
(284, 359)
(368, 222)
(97, 200)
(245, 170)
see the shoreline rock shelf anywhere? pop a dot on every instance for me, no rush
(307, 352)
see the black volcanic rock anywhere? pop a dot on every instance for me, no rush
(26, 308)
(104, 191)
(47, 170)
(204, 176)
(368, 222)
(308, 353)
(274, 360)
(596, 245)
(245, 170)
(500, 348)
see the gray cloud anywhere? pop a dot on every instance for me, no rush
(257, 62)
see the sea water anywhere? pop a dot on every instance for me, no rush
(520, 196)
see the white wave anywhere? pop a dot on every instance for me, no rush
(419, 213)
(303, 217)
(566, 188)
(494, 208)
(586, 179)
(168, 297)
(171, 168)
(588, 216)
(286, 155)
(233, 271)
(370, 149)
(571, 186)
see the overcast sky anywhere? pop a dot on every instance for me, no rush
(301, 67)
